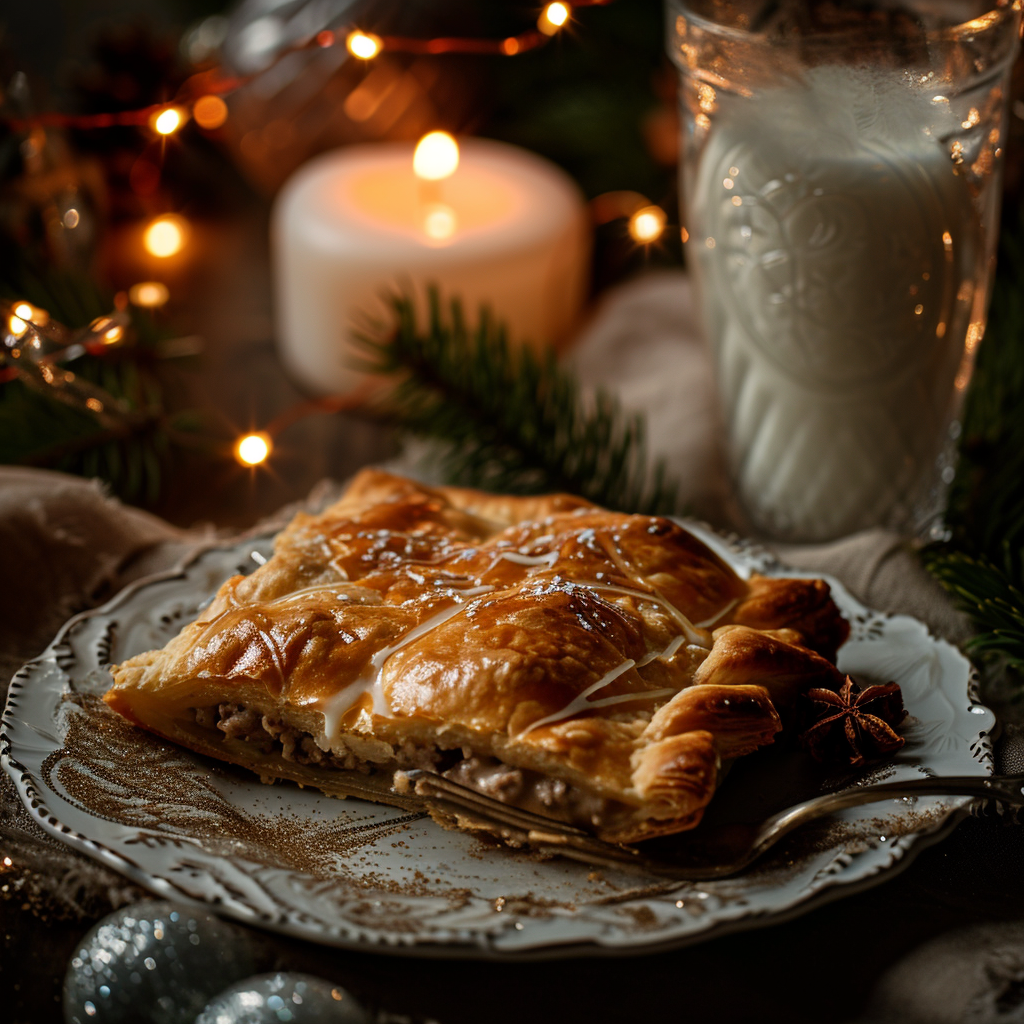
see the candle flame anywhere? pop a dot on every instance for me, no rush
(436, 156)
(253, 449)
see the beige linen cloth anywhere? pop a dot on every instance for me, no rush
(65, 546)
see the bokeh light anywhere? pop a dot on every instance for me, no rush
(647, 224)
(552, 18)
(210, 112)
(149, 294)
(253, 449)
(165, 236)
(168, 121)
(363, 45)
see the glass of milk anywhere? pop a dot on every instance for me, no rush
(841, 179)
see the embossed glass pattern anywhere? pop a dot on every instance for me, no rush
(841, 173)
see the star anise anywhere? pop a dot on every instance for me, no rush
(854, 724)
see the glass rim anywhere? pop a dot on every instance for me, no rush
(986, 22)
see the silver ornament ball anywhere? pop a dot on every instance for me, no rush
(284, 998)
(153, 962)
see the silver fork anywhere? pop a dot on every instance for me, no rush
(721, 851)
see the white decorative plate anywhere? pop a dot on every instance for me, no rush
(357, 874)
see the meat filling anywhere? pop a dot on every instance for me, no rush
(517, 787)
(269, 735)
(531, 791)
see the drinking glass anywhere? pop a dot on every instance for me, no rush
(841, 174)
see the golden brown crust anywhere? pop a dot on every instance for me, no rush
(544, 632)
(740, 717)
(773, 659)
(673, 774)
(801, 604)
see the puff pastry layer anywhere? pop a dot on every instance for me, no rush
(593, 666)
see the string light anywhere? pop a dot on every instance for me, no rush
(647, 224)
(210, 85)
(149, 294)
(253, 449)
(210, 112)
(107, 330)
(165, 236)
(553, 17)
(363, 45)
(36, 361)
(168, 121)
(436, 156)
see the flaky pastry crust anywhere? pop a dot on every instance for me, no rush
(591, 665)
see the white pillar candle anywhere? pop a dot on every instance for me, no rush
(507, 230)
(841, 262)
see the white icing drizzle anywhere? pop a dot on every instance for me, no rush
(516, 557)
(334, 708)
(691, 633)
(671, 649)
(476, 591)
(708, 623)
(435, 620)
(343, 591)
(581, 701)
(335, 564)
(520, 559)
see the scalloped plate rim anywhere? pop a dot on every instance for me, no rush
(481, 945)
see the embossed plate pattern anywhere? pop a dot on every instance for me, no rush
(356, 874)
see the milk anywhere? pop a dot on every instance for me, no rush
(839, 256)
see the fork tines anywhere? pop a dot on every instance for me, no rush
(525, 828)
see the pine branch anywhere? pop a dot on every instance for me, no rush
(510, 419)
(991, 594)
